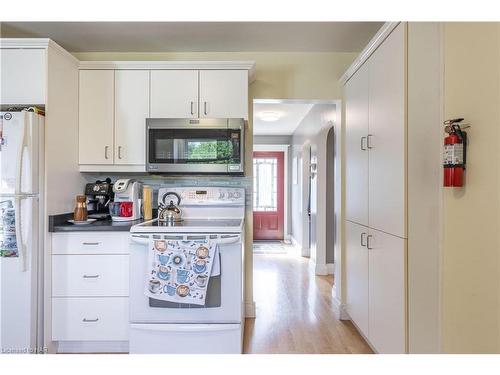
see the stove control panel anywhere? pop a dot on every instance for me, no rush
(207, 196)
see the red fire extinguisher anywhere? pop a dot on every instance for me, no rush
(454, 159)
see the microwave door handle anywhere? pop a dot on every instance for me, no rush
(228, 239)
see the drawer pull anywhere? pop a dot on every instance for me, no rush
(90, 320)
(90, 276)
(91, 243)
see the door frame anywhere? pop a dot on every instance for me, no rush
(286, 184)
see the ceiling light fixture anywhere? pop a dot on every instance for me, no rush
(269, 116)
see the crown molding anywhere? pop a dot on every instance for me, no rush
(374, 43)
(36, 43)
(174, 65)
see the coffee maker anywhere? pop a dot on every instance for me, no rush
(99, 195)
(128, 200)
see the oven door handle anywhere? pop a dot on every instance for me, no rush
(221, 239)
(195, 328)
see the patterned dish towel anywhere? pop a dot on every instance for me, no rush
(179, 271)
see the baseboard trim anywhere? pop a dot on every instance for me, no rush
(330, 267)
(250, 309)
(93, 347)
(321, 269)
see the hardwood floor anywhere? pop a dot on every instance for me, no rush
(295, 311)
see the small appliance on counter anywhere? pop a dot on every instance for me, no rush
(99, 195)
(128, 200)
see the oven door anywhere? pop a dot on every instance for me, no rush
(224, 293)
(194, 149)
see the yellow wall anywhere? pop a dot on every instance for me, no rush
(471, 272)
(278, 76)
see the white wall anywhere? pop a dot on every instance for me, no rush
(313, 129)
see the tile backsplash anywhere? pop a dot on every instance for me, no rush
(157, 181)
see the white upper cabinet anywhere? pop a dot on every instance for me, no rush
(174, 93)
(96, 103)
(356, 112)
(131, 111)
(387, 132)
(23, 76)
(224, 93)
(386, 292)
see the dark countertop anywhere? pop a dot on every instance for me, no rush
(59, 223)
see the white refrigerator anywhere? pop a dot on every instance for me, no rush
(21, 231)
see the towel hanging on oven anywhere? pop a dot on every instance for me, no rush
(179, 271)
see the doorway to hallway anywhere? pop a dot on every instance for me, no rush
(268, 195)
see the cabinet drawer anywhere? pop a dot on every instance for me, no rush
(90, 275)
(90, 243)
(90, 319)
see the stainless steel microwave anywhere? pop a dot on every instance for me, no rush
(195, 146)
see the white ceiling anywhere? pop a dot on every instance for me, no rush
(291, 114)
(199, 36)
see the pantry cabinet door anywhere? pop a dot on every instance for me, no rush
(356, 119)
(174, 93)
(387, 138)
(357, 275)
(224, 93)
(95, 127)
(131, 111)
(387, 288)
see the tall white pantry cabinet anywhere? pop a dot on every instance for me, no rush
(375, 259)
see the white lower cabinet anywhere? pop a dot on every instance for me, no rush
(386, 292)
(357, 275)
(376, 286)
(90, 289)
(90, 319)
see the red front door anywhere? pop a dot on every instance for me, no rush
(268, 195)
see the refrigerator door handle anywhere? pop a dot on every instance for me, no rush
(20, 152)
(19, 235)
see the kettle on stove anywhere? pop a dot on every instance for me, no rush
(171, 213)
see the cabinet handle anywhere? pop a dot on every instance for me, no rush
(106, 152)
(368, 246)
(368, 143)
(192, 108)
(363, 139)
(90, 243)
(205, 110)
(90, 276)
(363, 239)
(90, 320)
(119, 152)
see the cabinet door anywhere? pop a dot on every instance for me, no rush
(357, 274)
(131, 111)
(174, 93)
(387, 136)
(224, 93)
(387, 292)
(23, 75)
(95, 127)
(356, 112)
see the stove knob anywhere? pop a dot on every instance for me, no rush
(237, 195)
(229, 195)
(221, 195)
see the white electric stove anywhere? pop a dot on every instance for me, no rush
(212, 213)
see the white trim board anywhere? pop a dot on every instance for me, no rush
(284, 149)
(372, 45)
(173, 65)
(36, 43)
